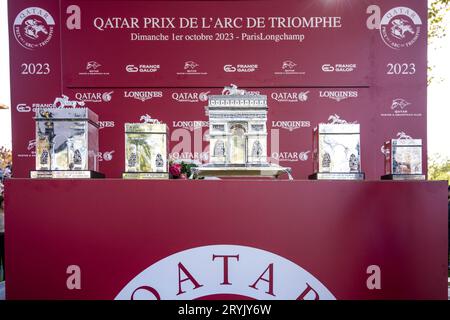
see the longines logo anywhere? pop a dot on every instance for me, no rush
(241, 68)
(106, 124)
(190, 125)
(290, 96)
(289, 67)
(190, 96)
(291, 156)
(400, 108)
(339, 67)
(34, 27)
(224, 269)
(338, 95)
(191, 68)
(94, 97)
(142, 68)
(143, 95)
(291, 125)
(93, 68)
(400, 27)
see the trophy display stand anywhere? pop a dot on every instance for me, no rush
(145, 175)
(238, 171)
(404, 177)
(66, 174)
(337, 176)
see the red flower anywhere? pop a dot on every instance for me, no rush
(175, 170)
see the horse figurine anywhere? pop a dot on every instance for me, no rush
(233, 90)
(401, 135)
(148, 119)
(65, 102)
(335, 119)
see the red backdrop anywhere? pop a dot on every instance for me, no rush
(386, 86)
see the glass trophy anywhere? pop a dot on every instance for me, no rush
(337, 151)
(66, 144)
(238, 136)
(403, 158)
(146, 151)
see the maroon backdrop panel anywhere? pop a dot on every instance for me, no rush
(113, 230)
(226, 41)
(383, 46)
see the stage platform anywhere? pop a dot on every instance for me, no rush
(219, 239)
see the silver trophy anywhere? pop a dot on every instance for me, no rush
(238, 136)
(403, 158)
(337, 151)
(146, 150)
(66, 143)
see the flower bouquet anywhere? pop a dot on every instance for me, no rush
(181, 169)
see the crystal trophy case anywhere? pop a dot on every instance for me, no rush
(66, 144)
(238, 136)
(403, 158)
(146, 151)
(337, 151)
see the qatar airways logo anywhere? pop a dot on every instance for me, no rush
(291, 156)
(106, 156)
(190, 125)
(190, 96)
(143, 95)
(94, 97)
(291, 97)
(338, 95)
(196, 156)
(224, 269)
(291, 125)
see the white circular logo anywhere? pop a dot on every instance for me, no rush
(224, 270)
(34, 27)
(400, 27)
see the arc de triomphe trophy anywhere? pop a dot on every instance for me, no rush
(238, 136)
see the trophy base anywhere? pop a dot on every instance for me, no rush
(403, 177)
(241, 171)
(145, 175)
(61, 174)
(337, 176)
